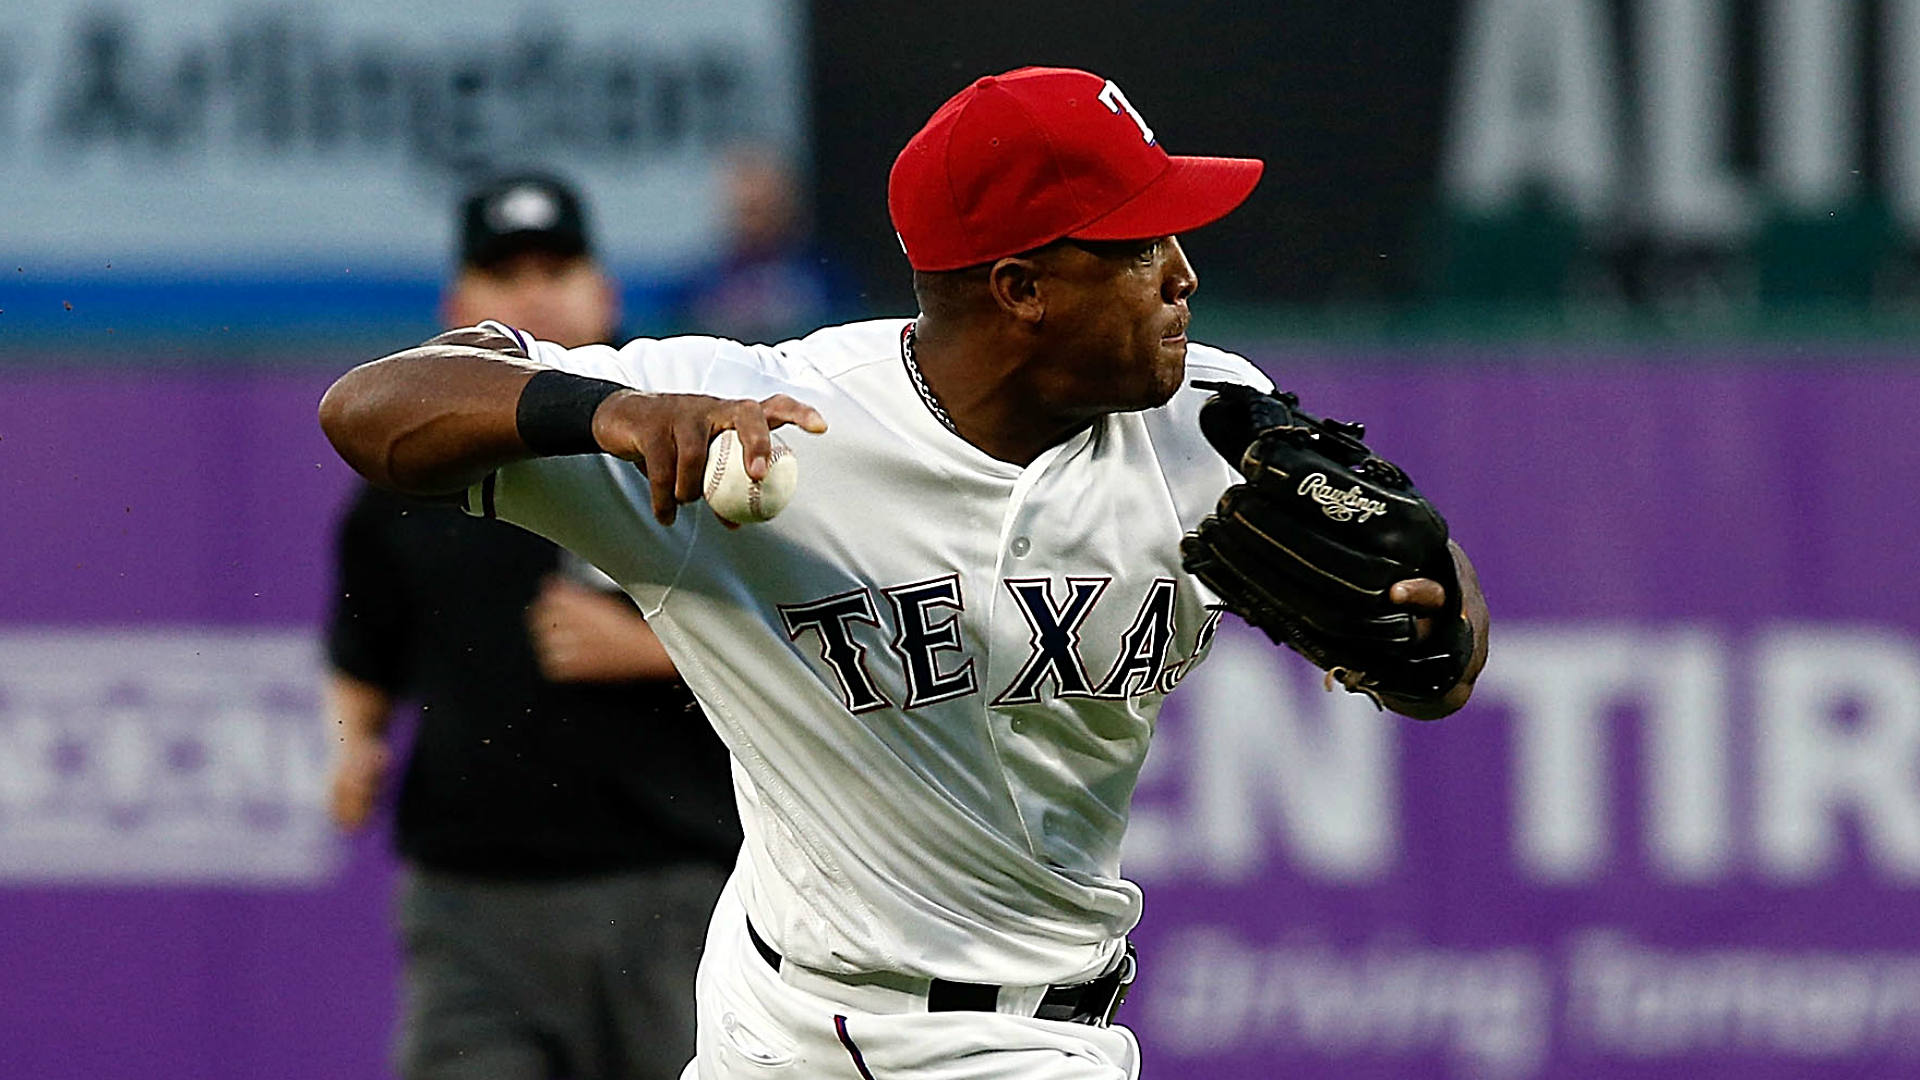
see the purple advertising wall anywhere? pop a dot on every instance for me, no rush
(172, 903)
(1677, 834)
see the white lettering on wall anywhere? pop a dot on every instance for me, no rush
(1689, 784)
(1838, 713)
(1488, 1012)
(1674, 748)
(1809, 121)
(157, 755)
(1540, 97)
(1534, 102)
(1562, 686)
(1900, 105)
(1632, 998)
(263, 135)
(1265, 767)
(1560, 799)
(1691, 194)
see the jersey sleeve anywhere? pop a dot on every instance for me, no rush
(601, 507)
(678, 365)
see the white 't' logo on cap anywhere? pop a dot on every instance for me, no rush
(1115, 101)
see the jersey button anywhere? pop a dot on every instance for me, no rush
(1020, 547)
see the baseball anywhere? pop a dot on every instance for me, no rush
(738, 498)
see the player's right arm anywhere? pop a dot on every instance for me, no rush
(436, 418)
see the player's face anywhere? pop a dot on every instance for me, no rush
(1116, 322)
(564, 299)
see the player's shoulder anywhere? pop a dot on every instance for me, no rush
(835, 350)
(823, 354)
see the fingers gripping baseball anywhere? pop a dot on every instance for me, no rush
(777, 411)
(690, 435)
(667, 435)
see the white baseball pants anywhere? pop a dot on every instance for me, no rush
(754, 1025)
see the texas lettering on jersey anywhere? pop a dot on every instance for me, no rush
(924, 621)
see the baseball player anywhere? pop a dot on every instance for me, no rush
(938, 669)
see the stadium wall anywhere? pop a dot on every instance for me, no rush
(1676, 835)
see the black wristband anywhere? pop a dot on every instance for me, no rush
(555, 413)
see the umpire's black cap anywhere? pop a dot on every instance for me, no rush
(521, 212)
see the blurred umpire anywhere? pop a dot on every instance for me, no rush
(565, 814)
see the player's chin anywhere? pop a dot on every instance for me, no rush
(1151, 382)
(1169, 371)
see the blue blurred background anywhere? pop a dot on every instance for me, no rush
(1630, 287)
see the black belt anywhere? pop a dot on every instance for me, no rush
(1093, 1002)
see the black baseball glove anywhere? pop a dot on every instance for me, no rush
(1307, 548)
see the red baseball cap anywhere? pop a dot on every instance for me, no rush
(1019, 160)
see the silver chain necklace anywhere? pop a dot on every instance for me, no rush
(920, 386)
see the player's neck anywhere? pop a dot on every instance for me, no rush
(983, 383)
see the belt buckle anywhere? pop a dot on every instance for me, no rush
(1122, 977)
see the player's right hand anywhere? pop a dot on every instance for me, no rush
(666, 435)
(353, 787)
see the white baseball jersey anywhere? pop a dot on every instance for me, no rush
(937, 672)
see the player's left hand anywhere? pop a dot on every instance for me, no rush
(1427, 599)
(1332, 551)
(1420, 595)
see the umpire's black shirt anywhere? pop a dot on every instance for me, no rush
(511, 775)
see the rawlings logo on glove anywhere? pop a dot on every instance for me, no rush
(1309, 546)
(1341, 505)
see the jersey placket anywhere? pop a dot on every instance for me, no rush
(1016, 555)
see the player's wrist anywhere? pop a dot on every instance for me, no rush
(613, 425)
(556, 410)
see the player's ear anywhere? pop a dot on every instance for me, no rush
(1014, 284)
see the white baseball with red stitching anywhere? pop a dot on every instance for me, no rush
(732, 494)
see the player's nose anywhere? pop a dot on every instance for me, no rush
(1181, 279)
